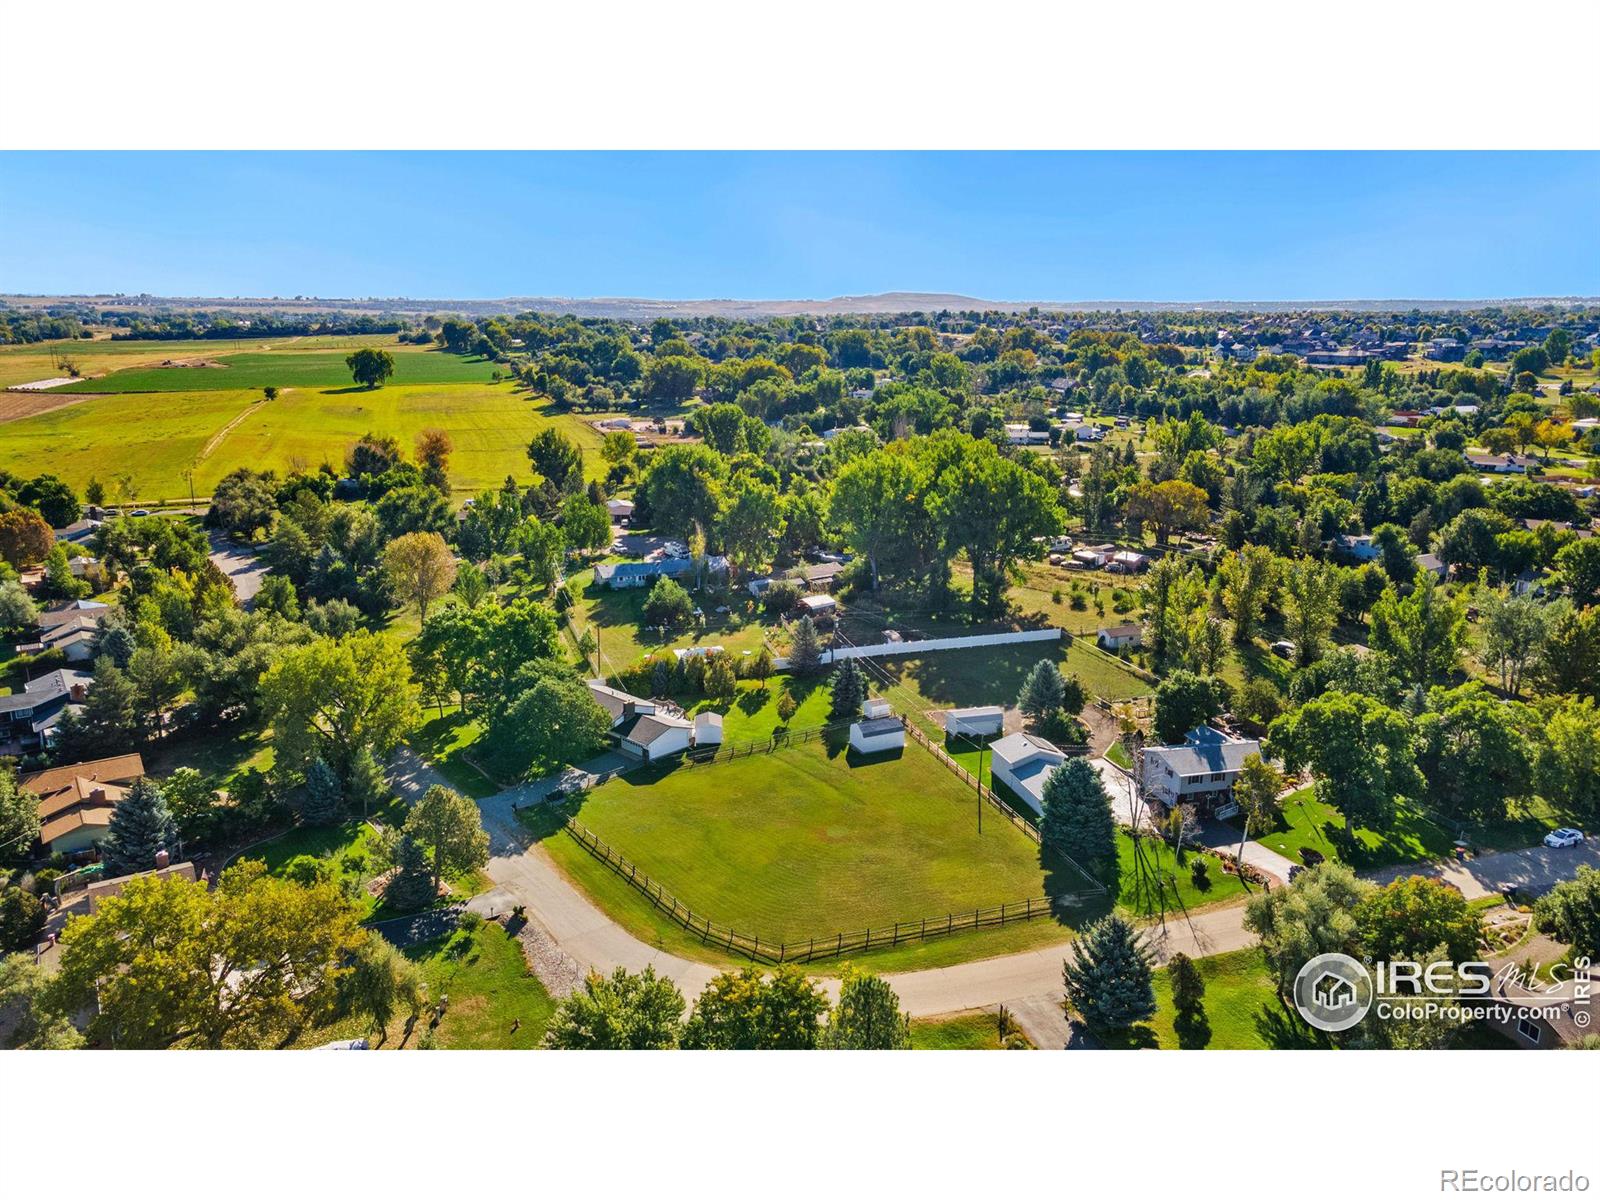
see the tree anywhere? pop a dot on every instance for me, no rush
(1359, 750)
(53, 499)
(1514, 631)
(558, 461)
(1171, 506)
(1472, 752)
(1567, 766)
(750, 523)
(374, 454)
(682, 488)
(1412, 918)
(33, 1011)
(370, 368)
(1310, 606)
(242, 502)
(171, 962)
(874, 503)
(1423, 633)
(141, 827)
(17, 609)
(25, 538)
(1570, 911)
(1397, 554)
(1246, 579)
(1108, 977)
(414, 509)
(1256, 791)
(331, 699)
(867, 1017)
(668, 604)
(21, 920)
(191, 801)
(447, 824)
(1188, 996)
(411, 886)
(557, 720)
(380, 981)
(622, 1012)
(746, 1011)
(1568, 663)
(1042, 691)
(59, 582)
(805, 648)
(19, 816)
(1077, 818)
(848, 691)
(1579, 566)
(421, 568)
(324, 801)
(585, 525)
(433, 447)
(1315, 914)
(1186, 701)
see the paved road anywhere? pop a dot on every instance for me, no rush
(238, 564)
(1535, 870)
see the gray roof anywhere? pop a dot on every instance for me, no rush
(1207, 752)
(644, 729)
(878, 726)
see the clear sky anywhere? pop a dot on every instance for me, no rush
(1000, 226)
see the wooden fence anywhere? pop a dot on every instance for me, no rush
(781, 738)
(809, 949)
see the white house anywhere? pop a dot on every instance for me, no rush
(1501, 464)
(1089, 433)
(1023, 435)
(875, 735)
(1200, 771)
(1023, 762)
(620, 510)
(1360, 547)
(1116, 637)
(975, 722)
(653, 736)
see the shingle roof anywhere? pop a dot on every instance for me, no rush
(1205, 755)
(877, 726)
(644, 729)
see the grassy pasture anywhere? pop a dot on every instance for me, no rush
(286, 368)
(26, 363)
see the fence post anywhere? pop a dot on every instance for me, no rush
(1002, 914)
(896, 940)
(838, 947)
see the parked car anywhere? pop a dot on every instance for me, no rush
(1560, 839)
(140, 512)
(1283, 649)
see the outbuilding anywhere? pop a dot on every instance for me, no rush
(877, 735)
(975, 722)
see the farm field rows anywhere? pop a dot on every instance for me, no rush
(286, 368)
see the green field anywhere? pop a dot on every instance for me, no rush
(155, 437)
(39, 360)
(964, 1031)
(1242, 1011)
(808, 842)
(287, 368)
(1311, 824)
(486, 977)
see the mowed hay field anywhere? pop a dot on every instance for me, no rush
(99, 357)
(155, 436)
(809, 841)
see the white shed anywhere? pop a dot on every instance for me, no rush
(818, 605)
(708, 729)
(874, 735)
(986, 719)
(876, 707)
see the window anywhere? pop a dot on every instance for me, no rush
(1217, 777)
(1528, 1030)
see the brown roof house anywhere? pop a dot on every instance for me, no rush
(76, 801)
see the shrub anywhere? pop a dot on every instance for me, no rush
(786, 708)
(1199, 875)
(781, 596)
(668, 604)
(470, 922)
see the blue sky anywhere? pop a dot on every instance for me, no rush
(1005, 226)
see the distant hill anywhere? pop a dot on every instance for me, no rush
(636, 308)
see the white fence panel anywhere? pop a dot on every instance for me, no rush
(892, 649)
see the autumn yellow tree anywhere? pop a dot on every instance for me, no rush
(421, 568)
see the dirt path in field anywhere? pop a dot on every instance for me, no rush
(218, 437)
(14, 406)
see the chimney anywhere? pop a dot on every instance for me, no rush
(162, 859)
(98, 795)
(77, 691)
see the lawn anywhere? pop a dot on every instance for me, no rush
(975, 1030)
(807, 842)
(1242, 1011)
(289, 367)
(1311, 824)
(617, 619)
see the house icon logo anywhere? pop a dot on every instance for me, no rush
(1333, 992)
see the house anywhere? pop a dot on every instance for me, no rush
(1502, 464)
(1024, 435)
(74, 633)
(707, 730)
(76, 801)
(822, 576)
(1360, 547)
(1023, 762)
(1528, 582)
(29, 718)
(974, 722)
(98, 893)
(617, 703)
(1200, 771)
(70, 610)
(78, 531)
(1128, 562)
(1460, 410)
(758, 586)
(1089, 433)
(878, 730)
(1405, 418)
(82, 565)
(1535, 1015)
(652, 736)
(1433, 563)
(1116, 637)
(1444, 349)
(621, 511)
(818, 604)
(641, 574)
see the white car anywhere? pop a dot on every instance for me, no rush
(1560, 839)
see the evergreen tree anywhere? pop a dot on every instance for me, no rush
(1042, 692)
(849, 690)
(411, 885)
(1188, 996)
(141, 825)
(324, 800)
(1077, 817)
(805, 650)
(1108, 976)
(867, 1017)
